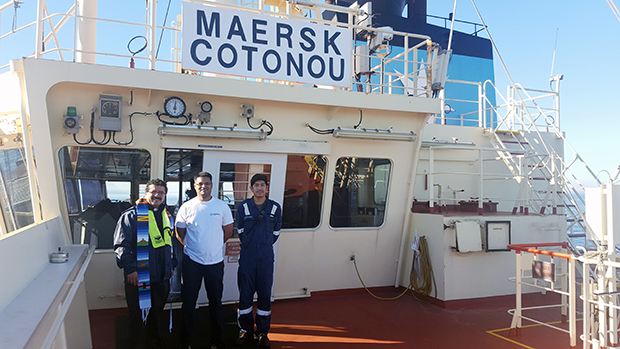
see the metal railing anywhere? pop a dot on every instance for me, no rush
(517, 122)
(567, 289)
(391, 70)
(600, 299)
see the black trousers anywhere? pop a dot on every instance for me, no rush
(213, 276)
(141, 336)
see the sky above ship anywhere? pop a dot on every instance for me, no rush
(536, 40)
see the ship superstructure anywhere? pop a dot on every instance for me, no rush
(371, 135)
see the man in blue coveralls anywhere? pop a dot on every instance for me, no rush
(259, 221)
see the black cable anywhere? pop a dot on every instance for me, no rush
(321, 132)
(80, 143)
(130, 128)
(106, 138)
(188, 119)
(263, 123)
(359, 123)
(162, 29)
(92, 125)
(133, 53)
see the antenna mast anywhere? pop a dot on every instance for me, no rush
(554, 48)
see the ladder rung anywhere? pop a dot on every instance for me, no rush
(515, 142)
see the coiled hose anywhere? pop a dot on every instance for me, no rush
(423, 284)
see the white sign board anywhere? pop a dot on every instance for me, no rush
(227, 41)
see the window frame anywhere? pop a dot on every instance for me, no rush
(387, 196)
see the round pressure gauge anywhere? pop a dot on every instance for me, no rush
(174, 106)
(206, 107)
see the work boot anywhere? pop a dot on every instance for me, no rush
(263, 340)
(244, 338)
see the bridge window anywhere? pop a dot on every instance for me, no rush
(100, 183)
(360, 192)
(303, 191)
(15, 202)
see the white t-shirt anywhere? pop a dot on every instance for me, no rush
(203, 221)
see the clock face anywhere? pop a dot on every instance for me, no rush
(174, 106)
(109, 108)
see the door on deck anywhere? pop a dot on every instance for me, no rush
(231, 173)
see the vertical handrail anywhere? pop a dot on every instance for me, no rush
(572, 306)
(481, 182)
(516, 319)
(431, 187)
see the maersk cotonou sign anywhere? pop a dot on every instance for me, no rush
(227, 41)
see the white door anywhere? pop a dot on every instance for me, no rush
(231, 173)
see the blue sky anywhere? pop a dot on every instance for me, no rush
(524, 31)
(587, 54)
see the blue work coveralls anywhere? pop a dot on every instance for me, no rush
(258, 231)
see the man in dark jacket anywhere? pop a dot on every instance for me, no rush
(143, 246)
(259, 221)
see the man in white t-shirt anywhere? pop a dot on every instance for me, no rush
(203, 224)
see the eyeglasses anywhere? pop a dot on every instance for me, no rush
(159, 192)
(203, 183)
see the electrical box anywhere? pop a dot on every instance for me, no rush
(468, 237)
(378, 41)
(110, 112)
(71, 122)
(248, 111)
(497, 236)
(440, 69)
(362, 59)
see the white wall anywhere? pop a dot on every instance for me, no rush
(25, 253)
(477, 274)
(314, 258)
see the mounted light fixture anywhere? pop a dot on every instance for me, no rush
(374, 134)
(211, 131)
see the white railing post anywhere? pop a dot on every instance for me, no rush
(442, 98)
(481, 181)
(431, 183)
(516, 318)
(480, 106)
(602, 314)
(587, 313)
(611, 269)
(38, 49)
(406, 70)
(152, 30)
(572, 316)
(566, 278)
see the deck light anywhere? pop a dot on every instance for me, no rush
(374, 134)
(211, 131)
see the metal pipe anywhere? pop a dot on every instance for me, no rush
(87, 31)
(152, 33)
(452, 26)
(38, 49)
(410, 196)
(335, 8)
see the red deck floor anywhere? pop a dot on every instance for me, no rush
(353, 319)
